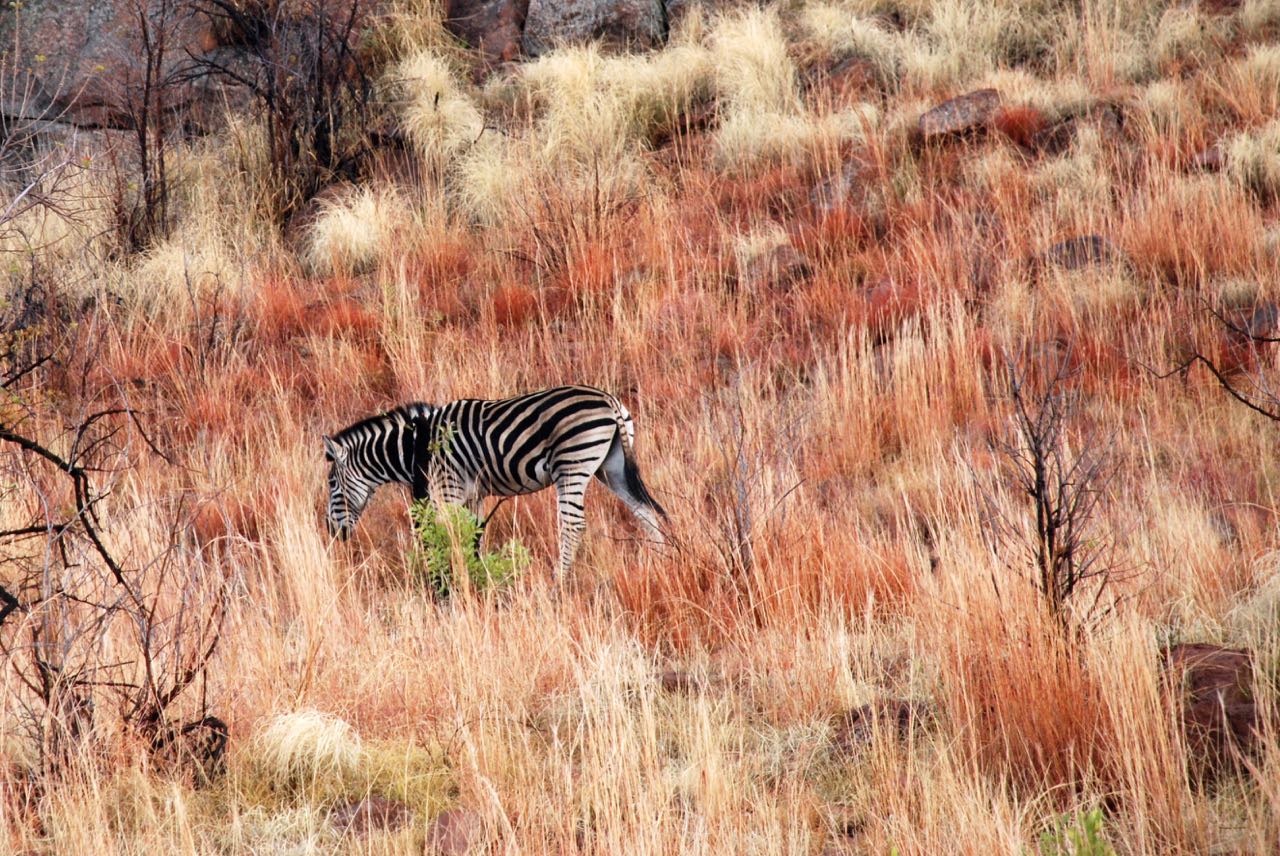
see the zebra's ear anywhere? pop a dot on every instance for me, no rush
(332, 450)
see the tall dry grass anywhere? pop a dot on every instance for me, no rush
(822, 445)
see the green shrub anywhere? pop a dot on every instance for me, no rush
(446, 542)
(1077, 836)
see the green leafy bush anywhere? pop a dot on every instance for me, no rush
(446, 541)
(1077, 836)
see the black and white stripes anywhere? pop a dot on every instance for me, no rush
(466, 450)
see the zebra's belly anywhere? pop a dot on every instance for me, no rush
(530, 479)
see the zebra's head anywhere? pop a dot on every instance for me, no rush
(348, 491)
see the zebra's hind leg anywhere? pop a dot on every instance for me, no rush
(571, 489)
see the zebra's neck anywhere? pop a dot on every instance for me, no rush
(383, 448)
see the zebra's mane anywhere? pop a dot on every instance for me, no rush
(407, 412)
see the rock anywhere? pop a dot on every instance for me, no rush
(1107, 118)
(618, 23)
(1260, 321)
(372, 814)
(1209, 160)
(858, 727)
(495, 27)
(455, 832)
(1219, 711)
(1080, 252)
(845, 81)
(849, 189)
(964, 114)
(84, 60)
(683, 683)
(1219, 7)
(777, 267)
(1056, 137)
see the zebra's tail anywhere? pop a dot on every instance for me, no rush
(635, 484)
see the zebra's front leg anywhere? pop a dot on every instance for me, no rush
(475, 505)
(571, 489)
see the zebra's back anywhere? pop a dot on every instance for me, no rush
(522, 444)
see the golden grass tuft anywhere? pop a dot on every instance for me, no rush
(307, 749)
(438, 117)
(1253, 159)
(351, 232)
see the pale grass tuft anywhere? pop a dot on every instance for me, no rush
(963, 40)
(1253, 159)
(762, 116)
(1184, 33)
(1261, 66)
(439, 119)
(1052, 96)
(1167, 106)
(591, 105)
(352, 233)
(294, 831)
(71, 217)
(185, 268)
(1257, 16)
(307, 748)
(749, 246)
(1079, 183)
(489, 178)
(593, 116)
(838, 31)
(748, 138)
(754, 73)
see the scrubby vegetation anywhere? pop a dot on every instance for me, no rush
(811, 309)
(448, 555)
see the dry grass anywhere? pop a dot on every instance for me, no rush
(351, 233)
(598, 231)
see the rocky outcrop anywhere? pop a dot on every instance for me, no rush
(857, 728)
(617, 23)
(959, 116)
(1218, 708)
(84, 63)
(494, 27)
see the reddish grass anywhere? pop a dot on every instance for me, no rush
(343, 317)
(1021, 123)
(1029, 710)
(282, 309)
(514, 305)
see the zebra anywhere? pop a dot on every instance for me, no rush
(470, 449)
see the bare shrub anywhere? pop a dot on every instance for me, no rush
(307, 74)
(98, 640)
(1059, 536)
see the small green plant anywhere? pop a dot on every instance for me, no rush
(1082, 835)
(447, 543)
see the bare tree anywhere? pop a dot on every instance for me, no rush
(151, 94)
(1061, 539)
(313, 85)
(86, 632)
